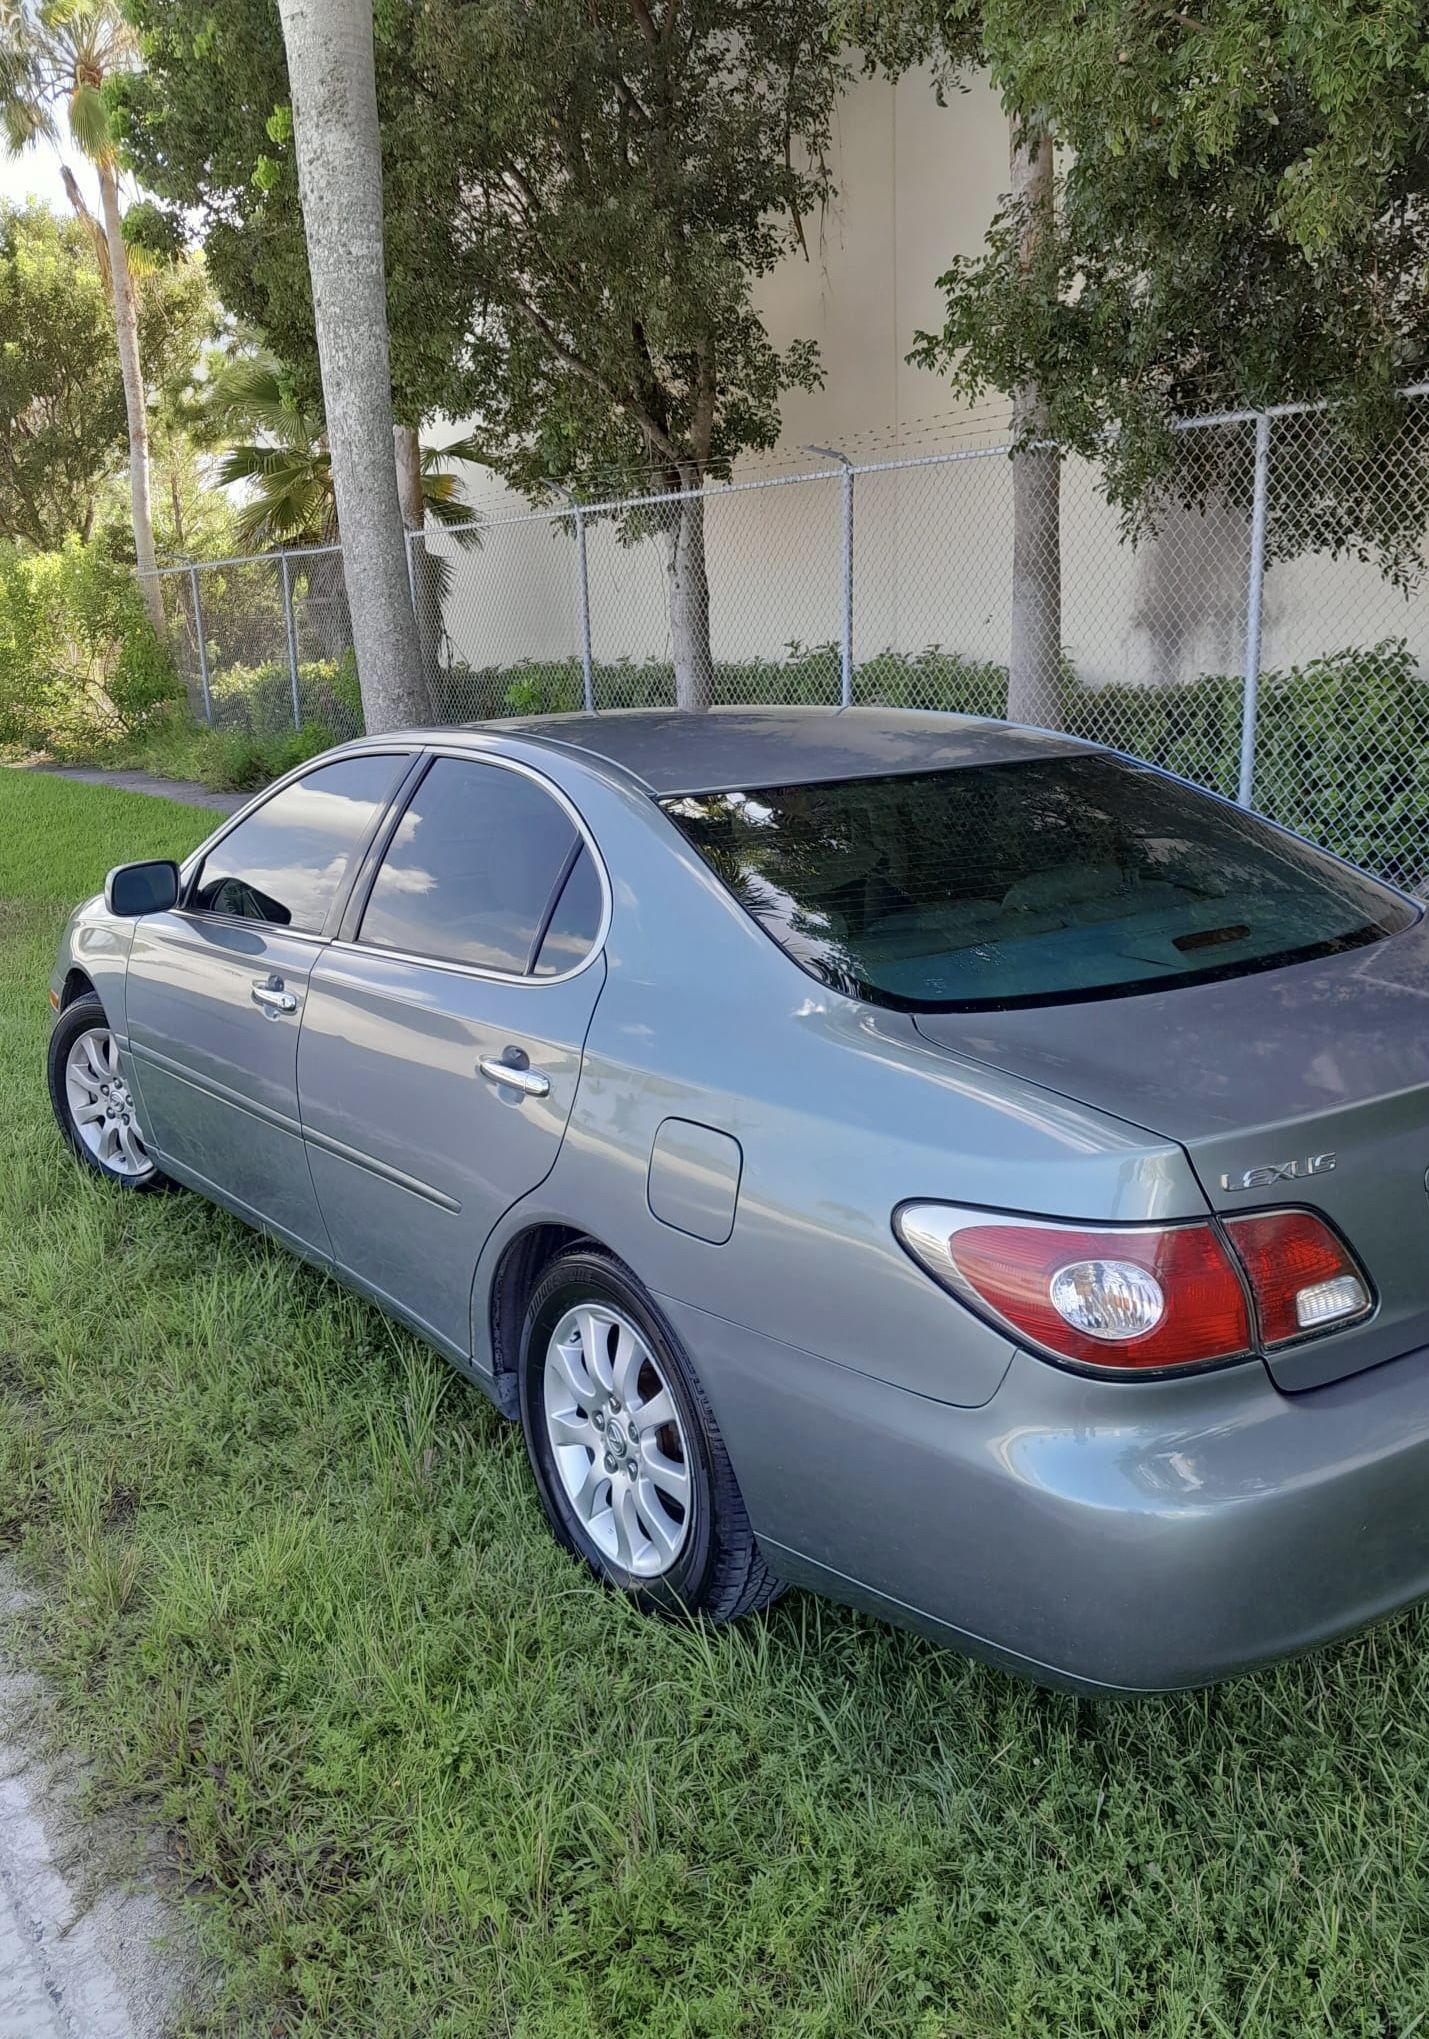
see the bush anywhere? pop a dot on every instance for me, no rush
(259, 699)
(1342, 742)
(234, 760)
(80, 666)
(807, 676)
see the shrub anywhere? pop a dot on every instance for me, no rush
(80, 665)
(230, 760)
(258, 699)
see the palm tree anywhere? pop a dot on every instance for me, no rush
(333, 81)
(284, 460)
(288, 463)
(55, 56)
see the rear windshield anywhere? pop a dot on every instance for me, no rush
(1037, 882)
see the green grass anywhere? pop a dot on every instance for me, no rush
(421, 1777)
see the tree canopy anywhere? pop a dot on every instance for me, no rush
(1240, 222)
(569, 247)
(207, 127)
(62, 418)
(626, 173)
(62, 427)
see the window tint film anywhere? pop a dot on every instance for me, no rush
(1034, 882)
(285, 863)
(573, 926)
(472, 868)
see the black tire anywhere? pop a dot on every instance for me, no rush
(80, 1016)
(718, 1572)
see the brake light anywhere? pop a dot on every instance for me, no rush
(1119, 1298)
(1303, 1278)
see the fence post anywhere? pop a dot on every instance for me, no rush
(202, 647)
(291, 629)
(1255, 595)
(846, 616)
(583, 597)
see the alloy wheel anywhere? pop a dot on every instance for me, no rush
(617, 1440)
(101, 1106)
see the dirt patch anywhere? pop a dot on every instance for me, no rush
(91, 1946)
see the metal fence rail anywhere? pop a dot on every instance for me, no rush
(1267, 633)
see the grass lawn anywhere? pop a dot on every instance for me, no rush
(423, 1778)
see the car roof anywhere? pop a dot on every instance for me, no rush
(731, 748)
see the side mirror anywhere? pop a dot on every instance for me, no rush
(132, 889)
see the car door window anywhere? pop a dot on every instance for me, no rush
(284, 864)
(473, 870)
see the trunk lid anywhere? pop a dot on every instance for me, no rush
(1262, 1079)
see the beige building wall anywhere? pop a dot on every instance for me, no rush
(916, 185)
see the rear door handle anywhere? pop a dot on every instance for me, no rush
(269, 993)
(525, 1080)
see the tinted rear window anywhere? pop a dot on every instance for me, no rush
(1035, 882)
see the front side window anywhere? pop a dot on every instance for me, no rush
(475, 872)
(1034, 882)
(285, 863)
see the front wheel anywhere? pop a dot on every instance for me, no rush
(629, 1461)
(92, 1100)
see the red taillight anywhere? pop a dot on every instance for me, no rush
(1129, 1299)
(1302, 1277)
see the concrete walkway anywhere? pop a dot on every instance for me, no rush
(188, 791)
(89, 1949)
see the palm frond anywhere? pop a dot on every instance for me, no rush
(89, 123)
(446, 507)
(441, 499)
(435, 458)
(247, 391)
(292, 495)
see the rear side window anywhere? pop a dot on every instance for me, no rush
(476, 869)
(575, 919)
(1034, 882)
(285, 863)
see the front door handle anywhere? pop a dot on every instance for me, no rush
(525, 1080)
(269, 993)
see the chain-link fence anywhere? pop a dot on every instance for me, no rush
(1263, 631)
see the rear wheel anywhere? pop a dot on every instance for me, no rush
(629, 1461)
(92, 1101)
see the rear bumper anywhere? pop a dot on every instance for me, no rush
(1127, 1537)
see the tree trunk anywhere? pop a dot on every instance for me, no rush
(177, 506)
(1034, 661)
(407, 445)
(330, 73)
(136, 410)
(690, 606)
(426, 574)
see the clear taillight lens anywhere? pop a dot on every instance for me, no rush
(1125, 1299)
(1302, 1275)
(1113, 1299)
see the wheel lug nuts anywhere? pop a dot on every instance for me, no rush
(631, 1468)
(632, 1433)
(610, 1461)
(599, 1419)
(614, 1406)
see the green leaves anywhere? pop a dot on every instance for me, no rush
(574, 212)
(1240, 222)
(89, 122)
(62, 422)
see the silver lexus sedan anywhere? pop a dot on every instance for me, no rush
(946, 1165)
